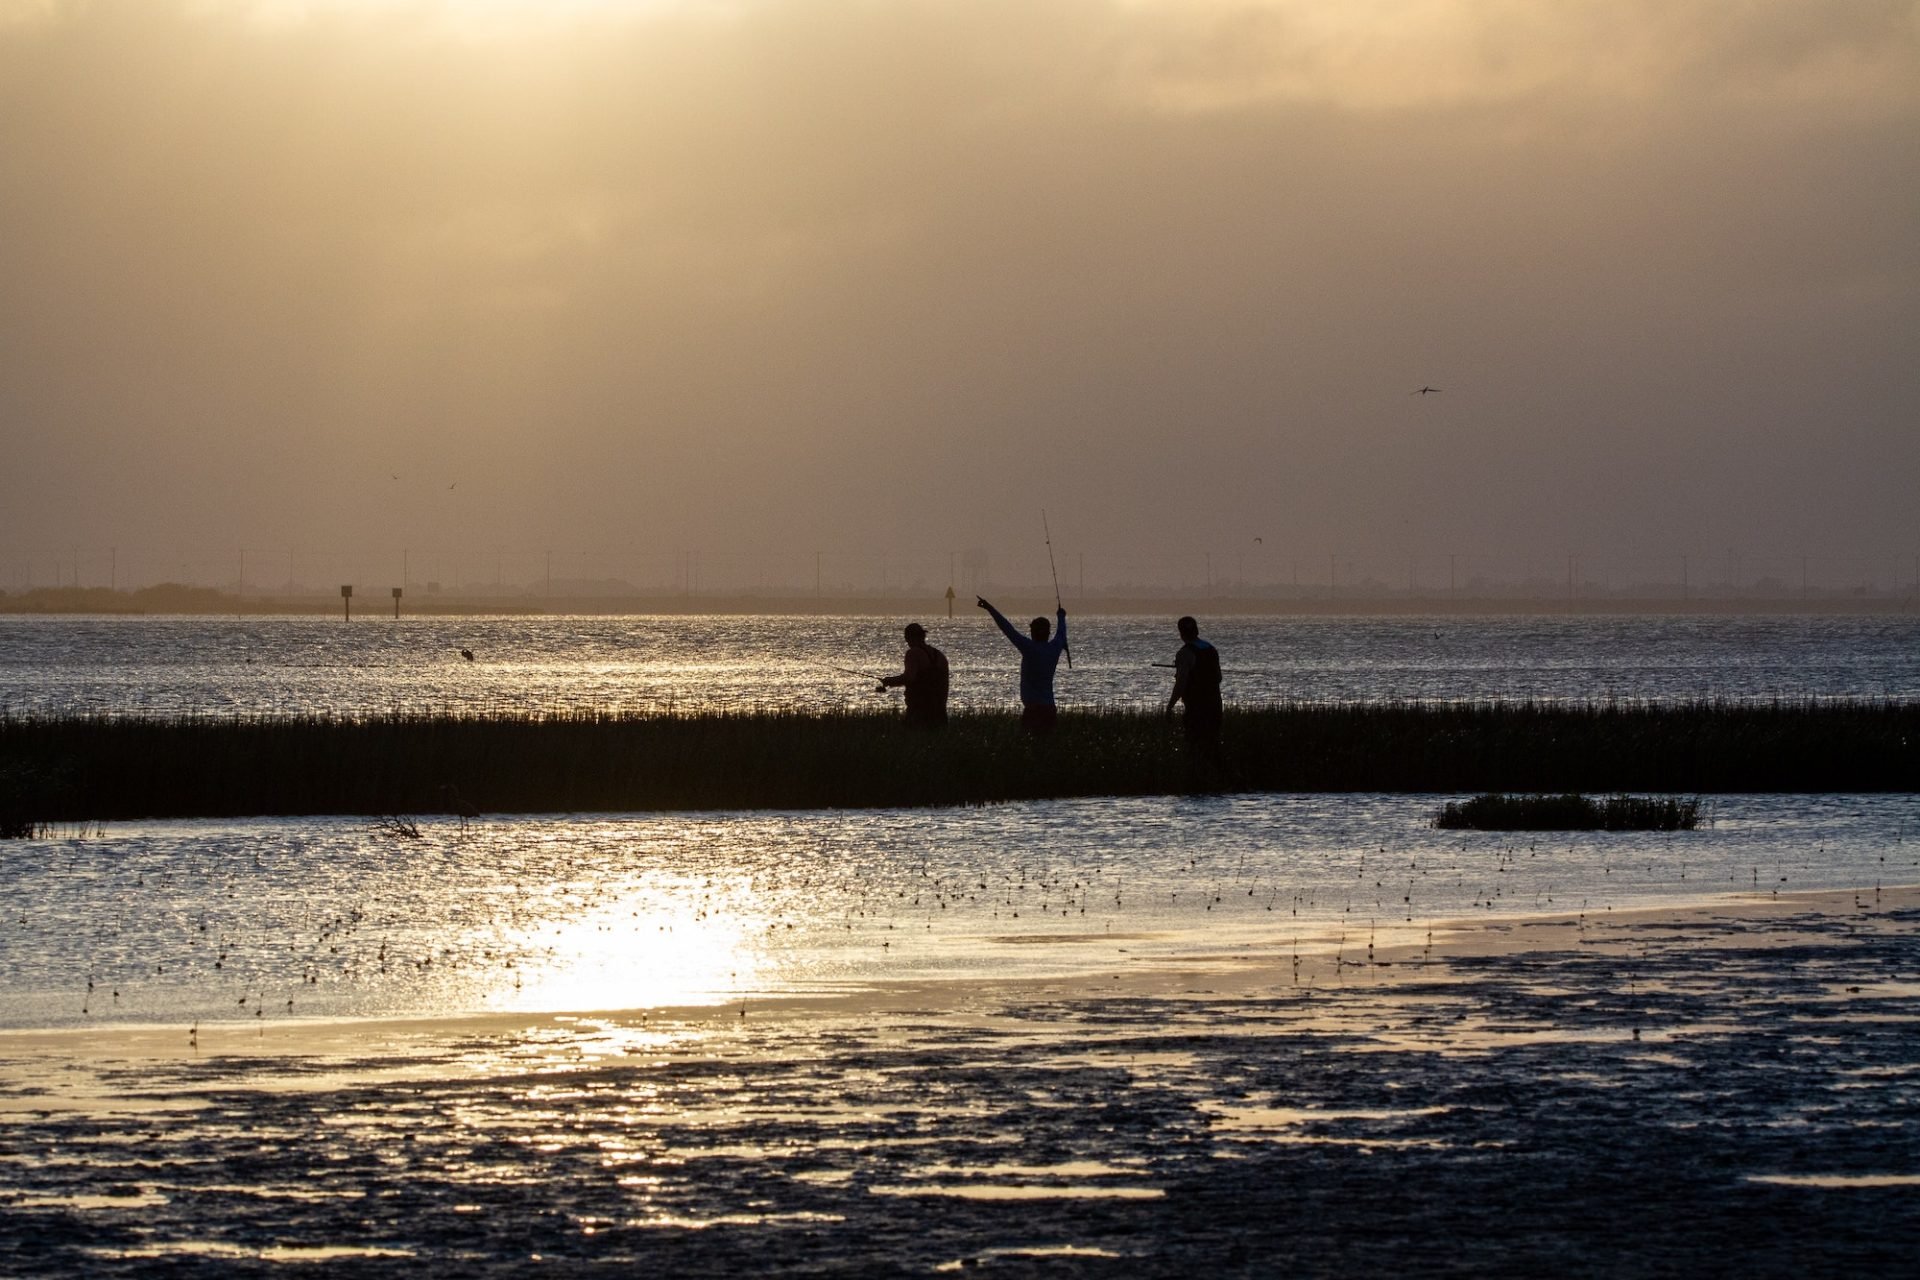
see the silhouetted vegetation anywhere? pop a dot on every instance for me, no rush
(116, 769)
(1570, 812)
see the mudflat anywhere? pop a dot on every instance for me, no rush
(1721, 1089)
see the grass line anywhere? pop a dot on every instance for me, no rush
(67, 769)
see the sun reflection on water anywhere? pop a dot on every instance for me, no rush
(651, 946)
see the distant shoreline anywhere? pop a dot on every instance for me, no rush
(377, 605)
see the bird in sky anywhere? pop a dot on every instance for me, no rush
(394, 476)
(1424, 391)
(454, 485)
(1257, 539)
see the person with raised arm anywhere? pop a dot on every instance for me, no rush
(1040, 651)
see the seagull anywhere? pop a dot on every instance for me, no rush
(454, 485)
(1258, 540)
(1424, 391)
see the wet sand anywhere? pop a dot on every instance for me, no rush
(1730, 1088)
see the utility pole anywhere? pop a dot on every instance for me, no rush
(816, 574)
(1451, 557)
(1333, 577)
(1685, 594)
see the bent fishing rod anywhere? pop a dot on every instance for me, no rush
(1046, 529)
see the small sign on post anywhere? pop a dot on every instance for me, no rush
(396, 604)
(346, 601)
(949, 602)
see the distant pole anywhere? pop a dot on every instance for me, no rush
(1569, 580)
(949, 600)
(816, 575)
(403, 566)
(242, 589)
(1684, 592)
(113, 568)
(1450, 576)
(1333, 577)
(1209, 557)
(346, 601)
(1803, 577)
(549, 575)
(396, 604)
(1083, 575)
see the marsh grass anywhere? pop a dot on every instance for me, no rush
(1570, 812)
(64, 769)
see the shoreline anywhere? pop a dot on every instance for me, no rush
(1705, 1089)
(208, 603)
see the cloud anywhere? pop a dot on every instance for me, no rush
(766, 270)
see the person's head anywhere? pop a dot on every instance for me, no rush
(916, 634)
(1189, 629)
(1040, 629)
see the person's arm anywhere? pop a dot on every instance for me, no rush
(905, 678)
(1182, 671)
(1006, 628)
(1060, 626)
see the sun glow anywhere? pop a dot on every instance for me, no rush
(644, 950)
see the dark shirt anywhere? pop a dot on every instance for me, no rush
(925, 681)
(1197, 670)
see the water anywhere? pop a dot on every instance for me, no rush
(261, 919)
(328, 917)
(284, 666)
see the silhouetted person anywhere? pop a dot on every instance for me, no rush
(1196, 682)
(924, 679)
(1039, 655)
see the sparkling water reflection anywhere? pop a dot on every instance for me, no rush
(285, 666)
(296, 918)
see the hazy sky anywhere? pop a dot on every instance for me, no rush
(745, 274)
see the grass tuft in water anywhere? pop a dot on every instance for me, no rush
(1570, 812)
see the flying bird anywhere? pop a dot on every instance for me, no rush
(1424, 391)
(1257, 540)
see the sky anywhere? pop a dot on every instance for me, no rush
(753, 276)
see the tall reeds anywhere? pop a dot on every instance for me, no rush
(68, 769)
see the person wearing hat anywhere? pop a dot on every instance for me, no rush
(924, 679)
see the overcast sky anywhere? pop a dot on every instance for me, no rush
(765, 274)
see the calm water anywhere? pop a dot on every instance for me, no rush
(154, 666)
(271, 919)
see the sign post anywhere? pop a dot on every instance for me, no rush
(346, 601)
(396, 604)
(949, 602)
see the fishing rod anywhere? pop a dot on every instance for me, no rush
(847, 671)
(1046, 529)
